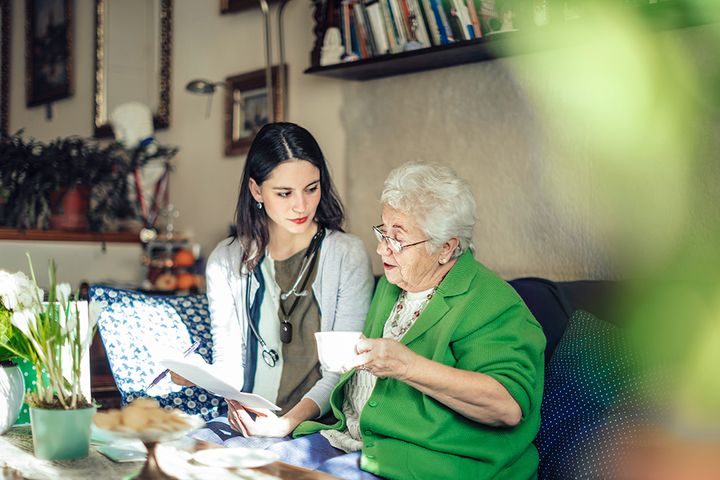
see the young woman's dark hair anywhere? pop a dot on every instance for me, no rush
(274, 144)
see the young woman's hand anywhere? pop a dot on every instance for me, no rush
(266, 423)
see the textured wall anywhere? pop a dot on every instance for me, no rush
(476, 119)
(549, 200)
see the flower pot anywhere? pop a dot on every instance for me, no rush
(70, 208)
(12, 391)
(61, 434)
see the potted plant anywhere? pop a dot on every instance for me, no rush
(43, 183)
(54, 337)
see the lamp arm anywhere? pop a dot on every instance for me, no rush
(268, 59)
(282, 80)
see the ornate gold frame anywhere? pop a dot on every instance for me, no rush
(161, 118)
(5, 25)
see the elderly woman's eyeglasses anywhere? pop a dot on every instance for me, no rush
(393, 243)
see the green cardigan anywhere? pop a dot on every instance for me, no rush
(477, 322)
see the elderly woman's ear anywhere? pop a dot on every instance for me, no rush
(447, 250)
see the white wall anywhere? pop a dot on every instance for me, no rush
(206, 45)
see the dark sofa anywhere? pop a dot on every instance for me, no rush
(571, 412)
(553, 303)
(589, 378)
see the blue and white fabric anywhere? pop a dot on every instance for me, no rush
(136, 328)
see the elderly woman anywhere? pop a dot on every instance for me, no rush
(449, 380)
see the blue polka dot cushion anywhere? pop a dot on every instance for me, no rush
(136, 328)
(590, 406)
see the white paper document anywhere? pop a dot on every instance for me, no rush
(211, 378)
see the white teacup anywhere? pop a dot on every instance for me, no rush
(336, 350)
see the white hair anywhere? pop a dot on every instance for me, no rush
(441, 203)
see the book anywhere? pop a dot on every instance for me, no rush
(390, 28)
(212, 377)
(369, 36)
(363, 43)
(446, 35)
(474, 18)
(432, 23)
(421, 33)
(377, 25)
(399, 23)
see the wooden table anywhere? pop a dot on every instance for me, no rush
(16, 452)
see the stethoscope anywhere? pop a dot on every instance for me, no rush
(269, 355)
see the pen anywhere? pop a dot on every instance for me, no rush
(187, 352)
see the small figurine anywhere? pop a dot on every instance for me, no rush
(132, 124)
(413, 43)
(332, 49)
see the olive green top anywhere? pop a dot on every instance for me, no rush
(301, 368)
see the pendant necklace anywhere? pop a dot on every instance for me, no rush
(396, 328)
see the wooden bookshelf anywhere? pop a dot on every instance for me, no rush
(441, 56)
(68, 236)
(669, 14)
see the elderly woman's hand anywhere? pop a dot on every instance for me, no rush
(384, 357)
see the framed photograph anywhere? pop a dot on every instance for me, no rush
(5, 13)
(247, 110)
(48, 51)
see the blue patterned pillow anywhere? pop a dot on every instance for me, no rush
(135, 327)
(590, 405)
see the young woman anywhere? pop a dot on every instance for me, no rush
(289, 272)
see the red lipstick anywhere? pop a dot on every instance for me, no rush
(300, 220)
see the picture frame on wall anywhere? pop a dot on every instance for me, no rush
(232, 6)
(48, 51)
(246, 108)
(5, 36)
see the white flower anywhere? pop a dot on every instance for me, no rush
(69, 322)
(19, 292)
(62, 292)
(94, 310)
(6, 283)
(23, 320)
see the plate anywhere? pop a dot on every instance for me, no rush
(238, 457)
(152, 435)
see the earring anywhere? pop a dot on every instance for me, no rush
(259, 205)
(443, 261)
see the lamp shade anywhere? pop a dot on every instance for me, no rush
(201, 87)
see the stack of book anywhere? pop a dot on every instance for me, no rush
(377, 27)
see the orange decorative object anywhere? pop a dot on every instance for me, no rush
(184, 258)
(166, 281)
(185, 281)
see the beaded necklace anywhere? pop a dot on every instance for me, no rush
(397, 330)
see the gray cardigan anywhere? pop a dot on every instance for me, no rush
(343, 287)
